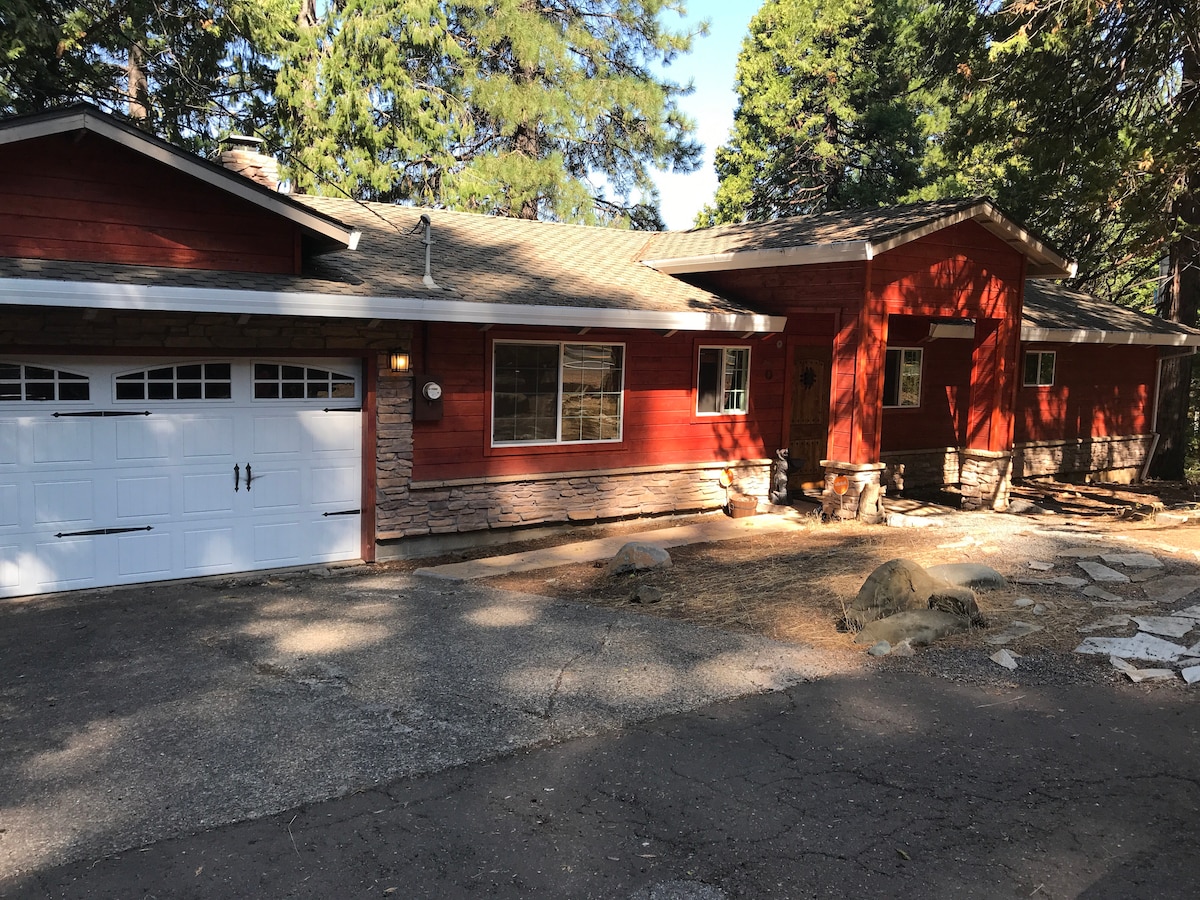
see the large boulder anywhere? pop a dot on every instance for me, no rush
(637, 557)
(916, 626)
(900, 585)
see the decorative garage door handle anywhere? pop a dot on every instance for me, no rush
(237, 477)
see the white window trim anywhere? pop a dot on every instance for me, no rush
(1025, 368)
(57, 380)
(558, 423)
(721, 379)
(920, 390)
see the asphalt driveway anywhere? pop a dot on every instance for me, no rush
(133, 715)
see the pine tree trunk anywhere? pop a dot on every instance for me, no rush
(1182, 297)
(137, 88)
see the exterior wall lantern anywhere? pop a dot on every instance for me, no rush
(401, 362)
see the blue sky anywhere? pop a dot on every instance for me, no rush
(711, 66)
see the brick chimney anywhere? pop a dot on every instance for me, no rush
(242, 155)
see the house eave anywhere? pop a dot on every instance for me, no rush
(231, 183)
(812, 254)
(156, 298)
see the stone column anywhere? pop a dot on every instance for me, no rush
(986, 478)
(858, 477)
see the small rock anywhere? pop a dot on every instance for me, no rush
(1101, 594)
(1101, 572)
(1040, 566)
(1138, 675)
(1039, 609)
(882, 648)
(918, 626)
(1080, 552)
(1069, 581)
(1012, 632)
(1022, 602)
(1140, 646)
(1172, 588)
(646, 593)
(638, 557)
(1191, 674)
(1120, 620)
(904, 648)
(1003, 658)
(1132, 560)
(1167, 626)
(970, 575)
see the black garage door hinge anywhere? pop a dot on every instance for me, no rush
(344, 512)
(101, 414)
(63, 534)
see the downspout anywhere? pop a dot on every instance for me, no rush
(1155, 436)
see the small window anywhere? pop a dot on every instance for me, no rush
(723, 380)
(37, 383)
(192, 381)
(902, 377)
(273, 381)
(1039, 368)
(547, 393)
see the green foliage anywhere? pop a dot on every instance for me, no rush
(834, 110)
(514, 107)
(203, 69)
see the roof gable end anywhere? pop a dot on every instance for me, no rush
(324, 232)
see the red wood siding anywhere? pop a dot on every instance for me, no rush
(92, 200)
(1098, 391)
(660, 423)
(940, 420)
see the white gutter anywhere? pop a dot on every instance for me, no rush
(229, 182)
(93, 295)
(1031, 334)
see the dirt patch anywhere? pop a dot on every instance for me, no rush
(795, 586)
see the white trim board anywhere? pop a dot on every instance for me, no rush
(96, 295)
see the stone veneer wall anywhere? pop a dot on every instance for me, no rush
(406, 509)
(1118, 458)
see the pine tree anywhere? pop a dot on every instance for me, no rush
(833, 111)
(524, 108)
(1081, 117)
(183, 69)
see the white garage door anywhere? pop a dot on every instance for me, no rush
(144, 470)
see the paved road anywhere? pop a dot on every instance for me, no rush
(130, 716)
(867, 786)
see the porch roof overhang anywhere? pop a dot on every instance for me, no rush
(1042, 260)
(162, 298)
(326, 232)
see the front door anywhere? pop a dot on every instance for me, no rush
(808, 435)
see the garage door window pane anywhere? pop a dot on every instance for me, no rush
(38, 383)
(192, 381)
(281, 382)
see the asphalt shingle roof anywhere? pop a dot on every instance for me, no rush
(1055, 306)
(874, 225)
